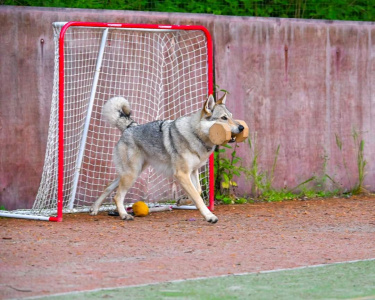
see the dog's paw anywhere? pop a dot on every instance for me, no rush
(127, 218)
(93, 211)
(212, 218)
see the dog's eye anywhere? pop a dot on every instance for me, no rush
(224, 118)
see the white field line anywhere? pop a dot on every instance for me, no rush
(204, 278)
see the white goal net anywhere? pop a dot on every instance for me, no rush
(164, 73)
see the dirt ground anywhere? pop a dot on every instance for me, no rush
(85, 252)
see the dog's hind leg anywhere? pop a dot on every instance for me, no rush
(108, 190)
(126, 181)
(186, 183)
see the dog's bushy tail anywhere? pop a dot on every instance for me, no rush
(117, 112)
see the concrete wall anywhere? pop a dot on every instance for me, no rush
(297, 83)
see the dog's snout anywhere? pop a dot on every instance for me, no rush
(241, 128)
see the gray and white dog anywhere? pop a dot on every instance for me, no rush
(174, 147)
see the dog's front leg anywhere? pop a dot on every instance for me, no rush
(196, 181)
(186, 183)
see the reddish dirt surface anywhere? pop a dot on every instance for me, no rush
(85, 252)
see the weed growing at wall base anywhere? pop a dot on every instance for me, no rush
(359, 146)
(261, 181)
(229, 167)
(226, 169)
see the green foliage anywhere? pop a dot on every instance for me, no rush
(361, 163)
(359, 145)
(226, 169)
(339, 145)
(261, 181)
(273, 195)
(358, 10)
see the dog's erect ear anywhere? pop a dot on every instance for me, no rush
(209, 105)
(222, 99)
(126, 110)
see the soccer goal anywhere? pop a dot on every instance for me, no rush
(165, 71)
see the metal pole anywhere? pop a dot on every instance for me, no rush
(22, 216)
(88, 118)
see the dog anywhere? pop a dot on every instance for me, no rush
(174, 147)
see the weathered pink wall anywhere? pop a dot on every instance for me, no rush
(297, 83)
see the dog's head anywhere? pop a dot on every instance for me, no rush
(216, 112)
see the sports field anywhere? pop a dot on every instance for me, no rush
(315, 249)
(351, 280)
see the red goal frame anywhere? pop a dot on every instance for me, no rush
(60, 192)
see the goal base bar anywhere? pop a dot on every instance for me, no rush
(30, 217)
(15, 215)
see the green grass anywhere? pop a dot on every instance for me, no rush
(336, 281)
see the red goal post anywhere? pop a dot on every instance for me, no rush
(158, 68)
